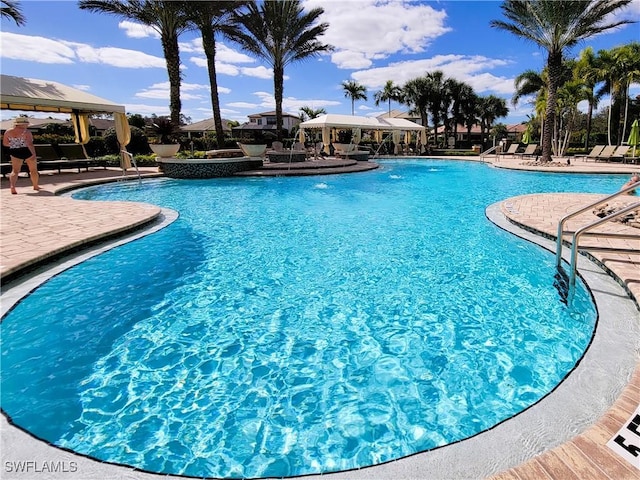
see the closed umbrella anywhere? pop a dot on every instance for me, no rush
(526, 136)
(634, 136)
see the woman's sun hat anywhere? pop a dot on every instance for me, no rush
(21, 121)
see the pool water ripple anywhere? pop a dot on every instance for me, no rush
(291, 326)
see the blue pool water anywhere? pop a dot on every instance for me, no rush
(288, 326)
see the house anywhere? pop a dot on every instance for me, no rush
(265, 123)
(36, 125)
(101, 125)
(206, 125)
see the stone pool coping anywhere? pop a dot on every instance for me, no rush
(555, 419)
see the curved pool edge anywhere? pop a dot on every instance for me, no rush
(574, 405)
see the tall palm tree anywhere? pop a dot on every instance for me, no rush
(629, 56)
(460, 93)
(167, 19)
(391, 91)
(586, 69)
(354, 91)
(557, 25)
(281, 32)
(213, 18)
(436, 97)
(469, 112)
(415, 94)
(491, 108)
(12, 10)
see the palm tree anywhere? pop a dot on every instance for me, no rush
(436, 97)
(390, 92)
(460, 94)
(629, 57)
(309, 113)
(557, 25)
(167, 19)
(280, 33)
(213, 18)
(469, 112)
(355, 91)
(12, 10)
(489, 109)
(586, 69)
(528, 83)
(415, 94)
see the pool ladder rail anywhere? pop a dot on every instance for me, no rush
(135, 165)
(568, 281)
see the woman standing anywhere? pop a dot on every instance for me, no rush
(19, 141)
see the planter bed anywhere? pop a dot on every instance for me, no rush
(191, 168)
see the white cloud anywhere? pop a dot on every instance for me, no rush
(258, 72)
(160, 91)
(116, 57)
(242, 105)
(143, 109)
(469, 69)
(289, 104)
(85, 88)
(35, 49)
(378, 28)
(46, 50)
(137, 30)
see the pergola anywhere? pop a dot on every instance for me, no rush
(30, 94)
(358, 124)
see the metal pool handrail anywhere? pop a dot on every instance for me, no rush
(582, 210)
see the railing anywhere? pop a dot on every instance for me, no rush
(135, 165)
(581, 231)
(487, 152)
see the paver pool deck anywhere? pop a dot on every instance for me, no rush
(37, 227)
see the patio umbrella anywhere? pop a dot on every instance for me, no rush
(526, 136)
(634, 136)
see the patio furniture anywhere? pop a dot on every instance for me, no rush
(529, 151)
(595, 151)
(605, 154)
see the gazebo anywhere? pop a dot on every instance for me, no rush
(30, 94)
(358, 124)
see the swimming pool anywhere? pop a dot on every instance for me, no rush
(298, 343)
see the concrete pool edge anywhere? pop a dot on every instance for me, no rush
(511, 443)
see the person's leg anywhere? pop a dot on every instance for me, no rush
(16, 165)
(33, 172)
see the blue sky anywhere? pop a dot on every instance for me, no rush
(374, 40)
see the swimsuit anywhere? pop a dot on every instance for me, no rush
(18, 148)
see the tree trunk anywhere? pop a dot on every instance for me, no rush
(554, 67)
(278, 88)
(209, 45)
(589, 117)
(172, 55)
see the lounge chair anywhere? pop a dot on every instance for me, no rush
(277, 146)
(605, 154)
(595, 151)
(513, 148)
(619, 153)
(529, 151)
